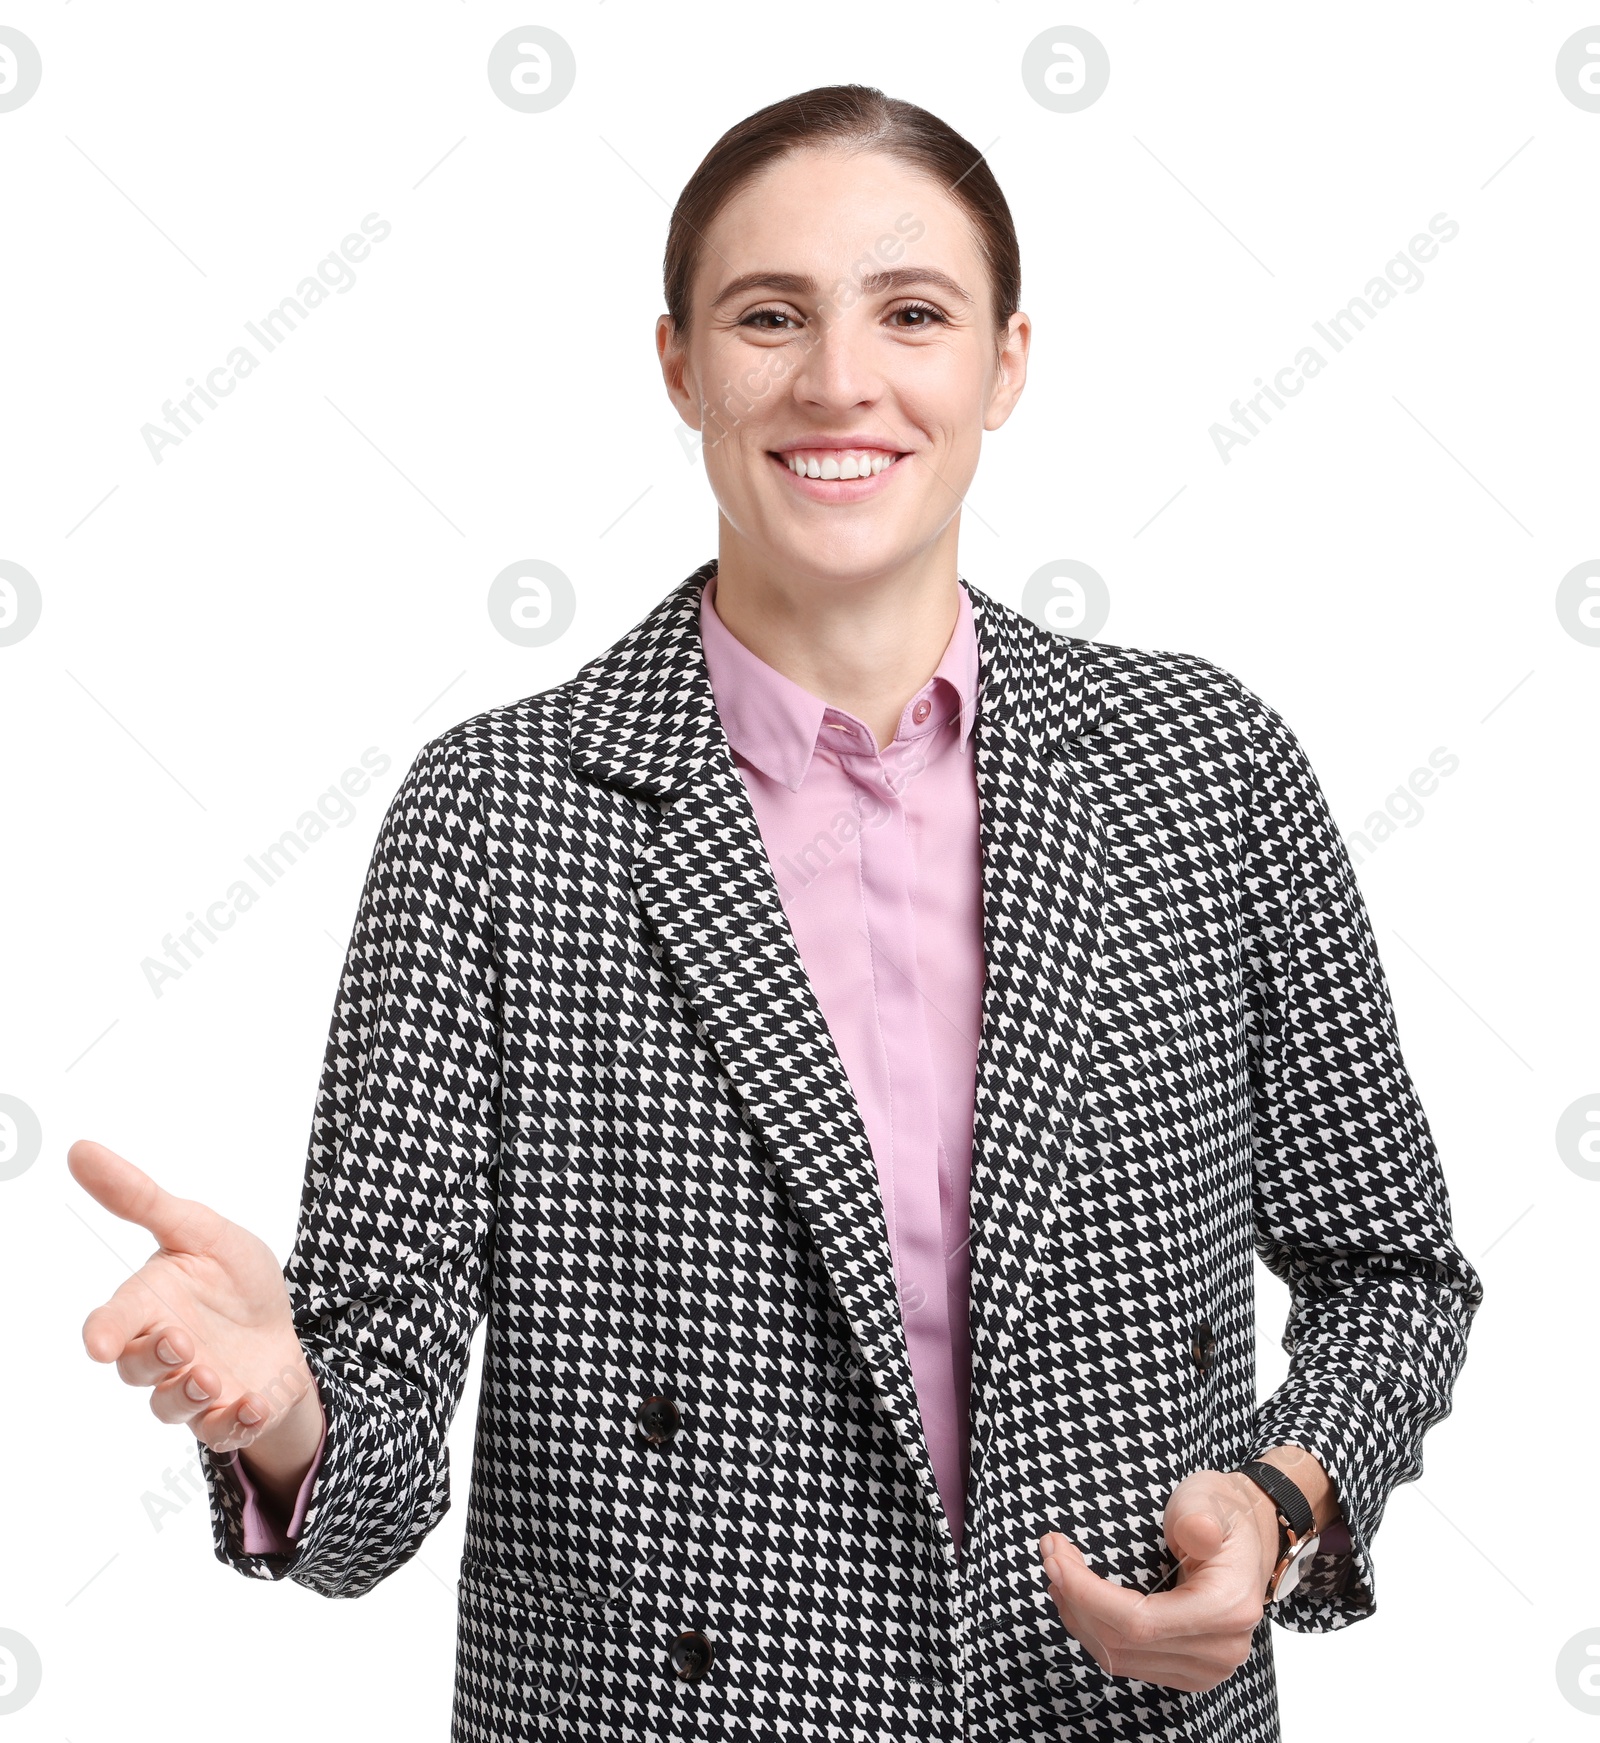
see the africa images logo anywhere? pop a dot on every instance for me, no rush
(334, 274)
(334, 809)
(1401, 273)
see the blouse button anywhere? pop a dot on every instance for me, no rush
(922, 710)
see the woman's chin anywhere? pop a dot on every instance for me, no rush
(815, 549)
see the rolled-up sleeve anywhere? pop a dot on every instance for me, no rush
(260, 1531)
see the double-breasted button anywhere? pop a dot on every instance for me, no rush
(1203, 1346)
(691, 1656)
(658, 1420)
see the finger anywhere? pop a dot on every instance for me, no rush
(1189, 1662)
(1061, 1555)
(1154, 1646)
(181, 1225)
(1185, 1661)
(1059, 1552)
(154, 1355)
(1203, 1512)
(1196, 1534)
(1054, 1543)
(1077, 1628)
(1054, 1550)
(132, 1310)
(227, 1424)
(1215, 1600)
(183, 1395)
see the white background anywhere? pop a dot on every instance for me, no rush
(305, 576)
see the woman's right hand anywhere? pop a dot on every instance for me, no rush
(205, 1323)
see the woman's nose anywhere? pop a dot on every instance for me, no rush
(837, 365)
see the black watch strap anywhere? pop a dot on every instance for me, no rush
(1294, 1509)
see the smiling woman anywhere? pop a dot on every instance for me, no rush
(851, 1044)
(842, 283)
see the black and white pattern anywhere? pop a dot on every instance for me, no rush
(577, 1082)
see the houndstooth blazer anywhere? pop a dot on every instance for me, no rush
(578, 1085)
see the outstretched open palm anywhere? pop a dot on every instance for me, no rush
(205, 1321)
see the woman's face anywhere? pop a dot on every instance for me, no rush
(841, 316)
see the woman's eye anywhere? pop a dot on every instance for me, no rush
(933, 316)
(756, 315)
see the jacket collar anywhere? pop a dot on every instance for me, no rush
(644, 719)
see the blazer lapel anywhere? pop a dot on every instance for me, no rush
(644, 718)
(1043, 851)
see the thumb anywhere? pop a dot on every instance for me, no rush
(179, 1224)
(1198, 1521)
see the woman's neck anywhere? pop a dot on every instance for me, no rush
(863, 644)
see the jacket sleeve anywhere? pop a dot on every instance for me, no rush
(388, 1273)
(1349, 1202)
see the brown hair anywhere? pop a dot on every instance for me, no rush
(858, 117)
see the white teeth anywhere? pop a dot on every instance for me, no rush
(839, 463)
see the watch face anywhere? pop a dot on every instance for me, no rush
(1296, 1565)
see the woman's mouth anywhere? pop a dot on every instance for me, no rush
(838, 474)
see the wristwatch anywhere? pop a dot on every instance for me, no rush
(1297, 1540)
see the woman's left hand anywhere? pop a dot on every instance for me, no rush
(1223, 1530)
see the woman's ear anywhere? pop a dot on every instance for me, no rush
(1011, 371)
(674, 356)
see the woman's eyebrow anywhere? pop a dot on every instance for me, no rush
(803, 284)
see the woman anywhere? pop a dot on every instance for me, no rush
(850, 1043)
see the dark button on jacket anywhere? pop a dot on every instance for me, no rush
(1204, 1346)
(691, 1656)
(658, 1420)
